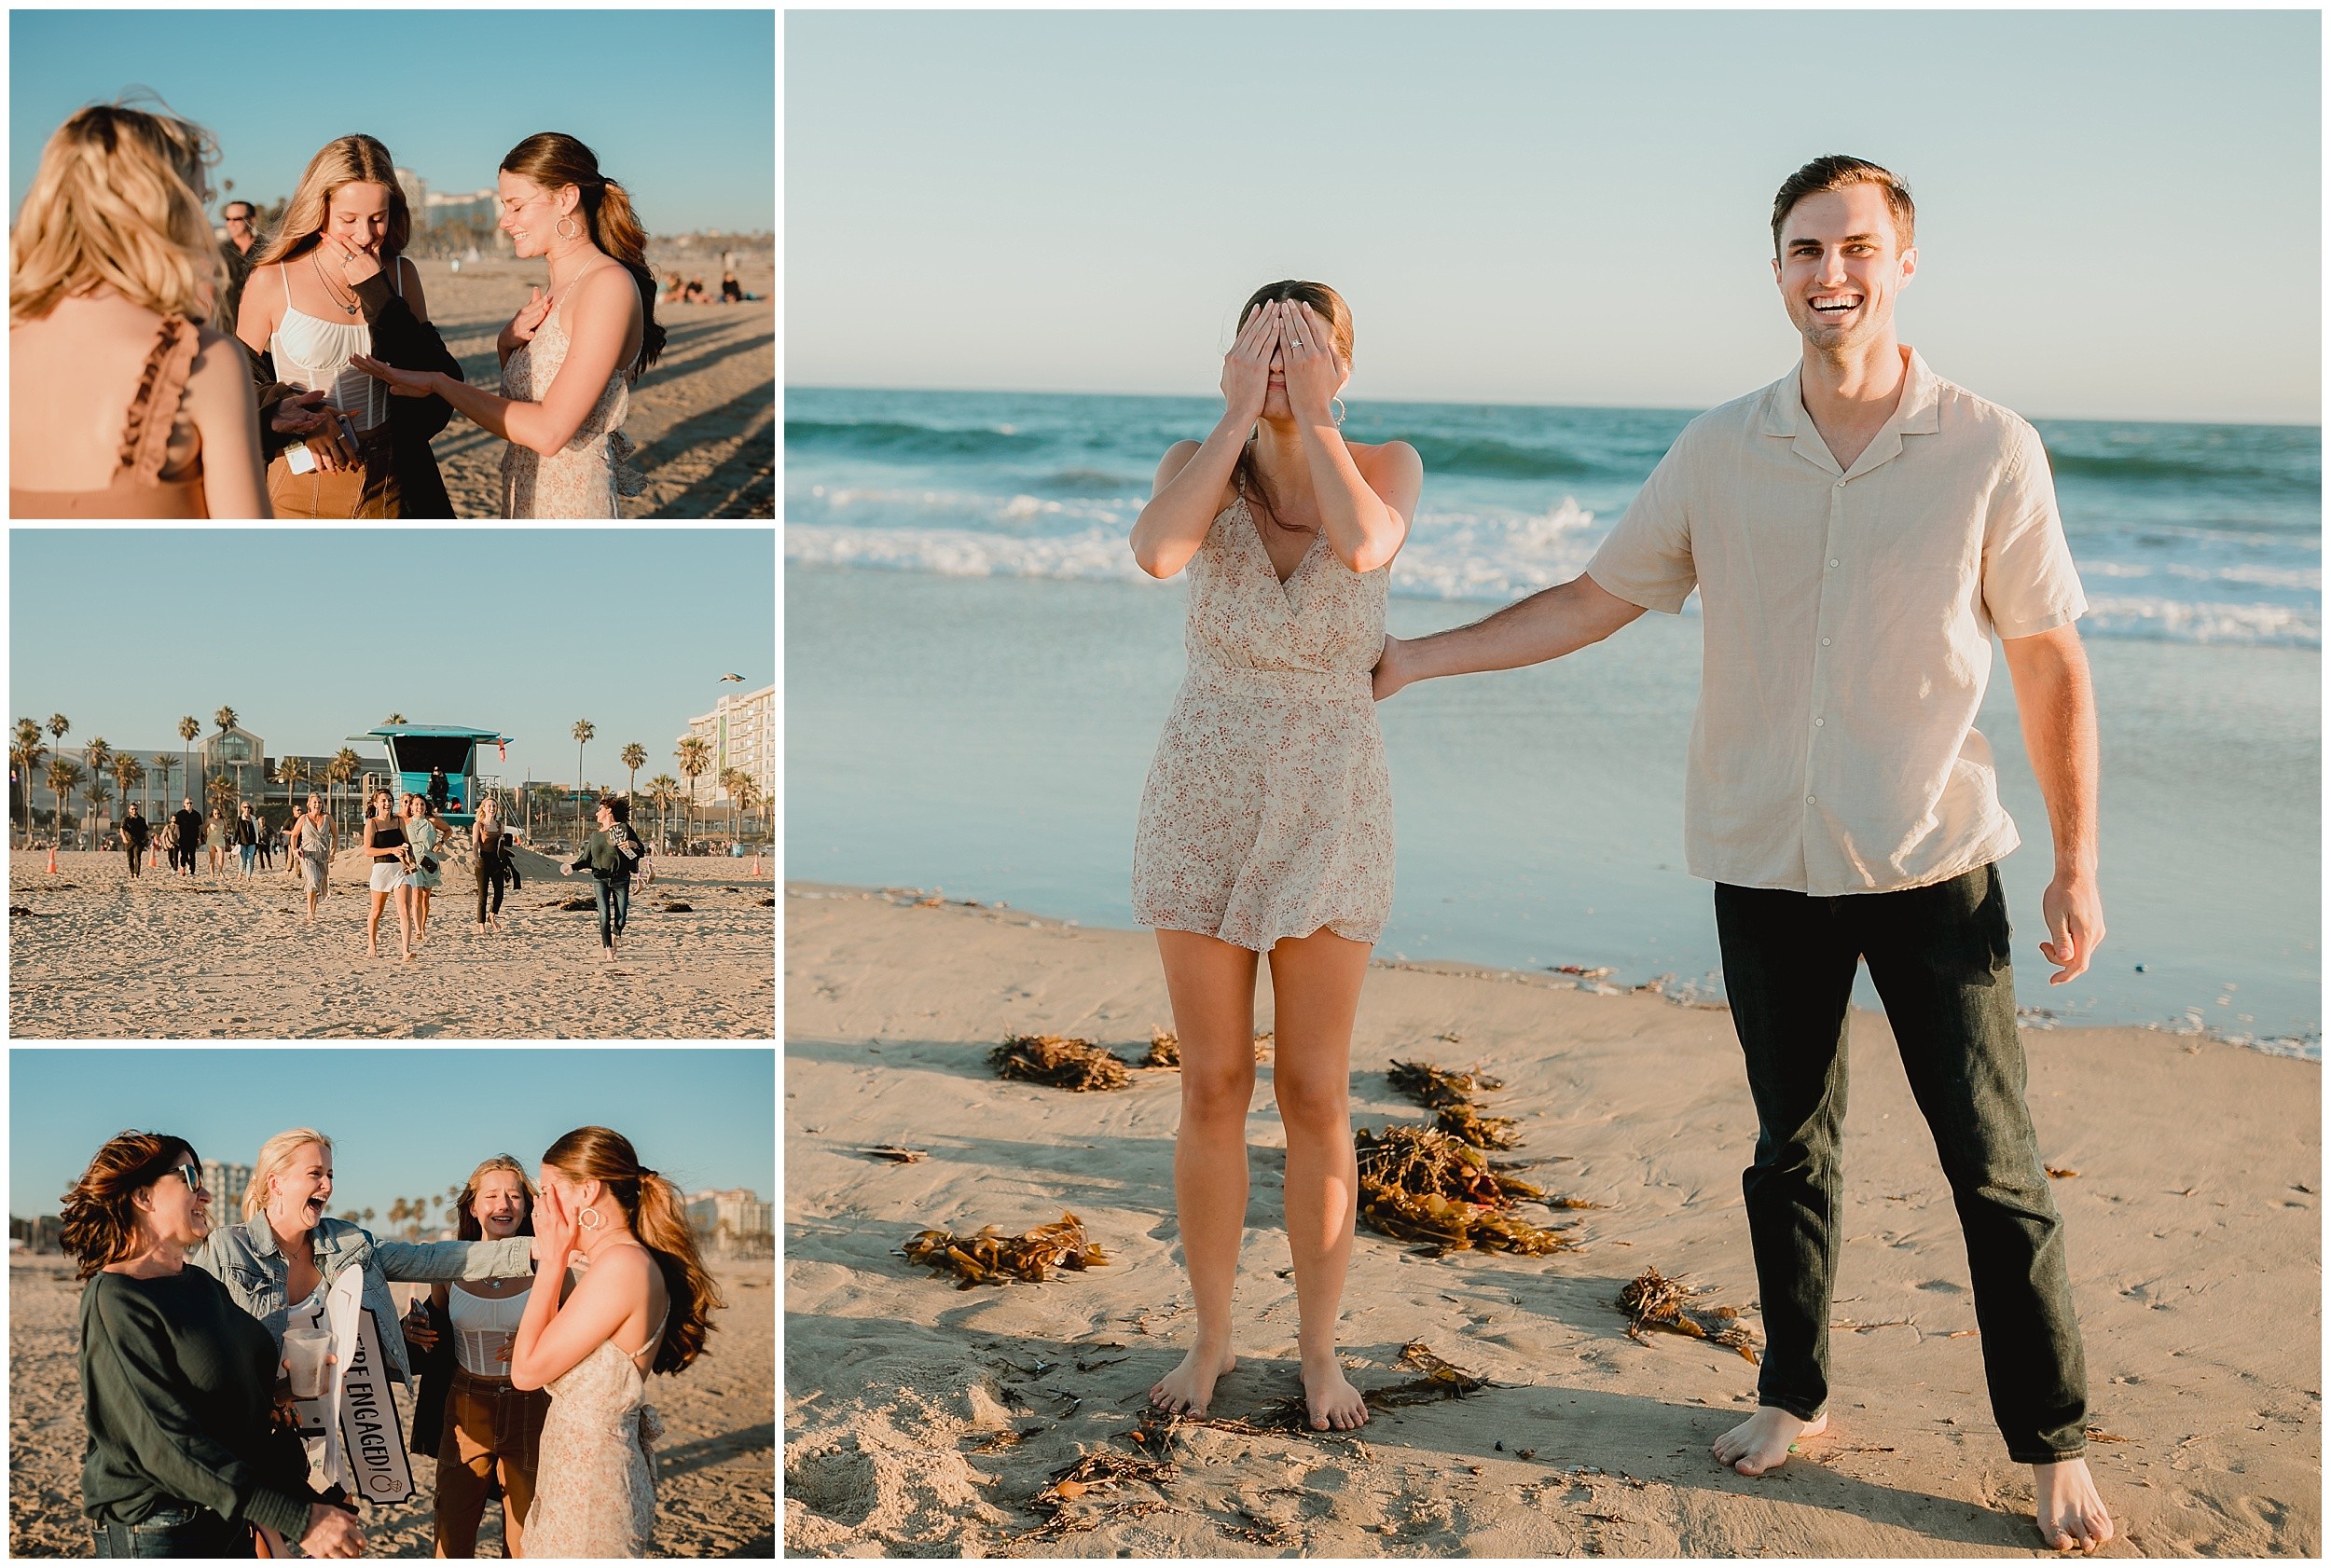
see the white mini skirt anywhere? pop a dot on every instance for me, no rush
(385, 875)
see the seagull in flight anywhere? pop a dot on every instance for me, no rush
(736, 678)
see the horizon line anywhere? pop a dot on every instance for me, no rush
(2315, 424)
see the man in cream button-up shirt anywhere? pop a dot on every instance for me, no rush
(1857, 531)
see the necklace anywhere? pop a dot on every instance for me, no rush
(349, 304)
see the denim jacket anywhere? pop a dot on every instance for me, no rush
(246, 1259)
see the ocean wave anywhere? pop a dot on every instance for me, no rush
(2164, 620)
(894, 438)
(2216, 472)
(1484, 457)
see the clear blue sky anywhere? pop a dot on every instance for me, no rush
(311, 635)
(2119, 211)
(680, 106)
(402, 1122)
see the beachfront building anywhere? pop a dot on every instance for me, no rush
(742, 731)
(236, 754)
(735, 1223)
(226, 1184)
(416, 191)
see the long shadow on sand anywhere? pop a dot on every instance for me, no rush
(1069, 1397)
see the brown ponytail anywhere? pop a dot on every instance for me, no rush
(553, 160)
(658, 1217)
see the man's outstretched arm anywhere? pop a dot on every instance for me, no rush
(2057, 704)
(1546, 626)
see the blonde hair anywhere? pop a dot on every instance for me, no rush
(275, 1157)
(118, 204)
(341, 162)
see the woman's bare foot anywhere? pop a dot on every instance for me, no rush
(1188, 1388)
(1762, 1442)
(1334, 1404)
(2071, 1512)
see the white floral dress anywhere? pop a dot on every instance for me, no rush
(595, 1479)
(1268, 810)
(582, 479)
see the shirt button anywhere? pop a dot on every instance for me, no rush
(1841, 484)
(1825, 642)
(1808, 800)
(1818, 722)
(1833, 561)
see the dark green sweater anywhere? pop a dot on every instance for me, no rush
(178, 1383)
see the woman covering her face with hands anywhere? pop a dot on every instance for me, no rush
(642, 1303)
(186, 1455)
(1266, 822)
(332, 287)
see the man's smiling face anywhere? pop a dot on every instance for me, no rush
(1842, 263)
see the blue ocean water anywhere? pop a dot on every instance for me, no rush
(2197, 533)
(977, 673)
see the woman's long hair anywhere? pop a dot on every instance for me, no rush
(1330, 308)
(659, 1217)
(100, 1222)
(118, 204)
(466, 1225)
(554, 160)
(341, 162)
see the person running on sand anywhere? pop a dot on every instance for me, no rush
(426, 832)
(188, 837)
(490, 841)
(1858, 530)
(247, 830)
(214, 833)
(384, 846)
(311, 852)
(608, 854)
(134, 834)
(1267, 821)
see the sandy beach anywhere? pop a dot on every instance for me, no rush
(96, 954)
(921, 1420)
(704, 418)
(714, 1469)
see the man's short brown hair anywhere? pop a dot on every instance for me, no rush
(1838, 171)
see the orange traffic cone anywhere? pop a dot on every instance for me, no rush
(756, 865)
(153, 858)
(52, 860)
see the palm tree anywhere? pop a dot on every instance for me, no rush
(162, 766)
(128, 770)
(634, 758)
(344, 769)
(749, 793)
(663, 789)
(583, 730)
(289, 771)
(64, 775)
(696, 756)
(25, 754)
(98, 755)
(98, 796)
(224, 792)
(188, 727)
(396, 719)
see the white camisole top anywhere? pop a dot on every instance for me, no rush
(313, 354)
(483, 1326)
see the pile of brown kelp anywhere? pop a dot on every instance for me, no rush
(1652, 1300)
(1422, 1185)
(1060, 1063)
(1450, 1097)
(991, 1257)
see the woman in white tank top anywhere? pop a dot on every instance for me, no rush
(328, 288)
(468, 1414)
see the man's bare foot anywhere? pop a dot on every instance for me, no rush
(2071, 1512)
(1334, 1404)
(1188, 1388)
(1762, 1442)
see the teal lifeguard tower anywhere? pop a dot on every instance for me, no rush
(414, 750)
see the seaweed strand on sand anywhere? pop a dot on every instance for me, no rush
(1449, 1096)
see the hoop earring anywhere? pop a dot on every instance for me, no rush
(1339, 409)
(561, 227)
(589, 1218)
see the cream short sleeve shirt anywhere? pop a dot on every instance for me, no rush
(1848, 618)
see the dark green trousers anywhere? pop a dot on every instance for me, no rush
(1939, 957)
